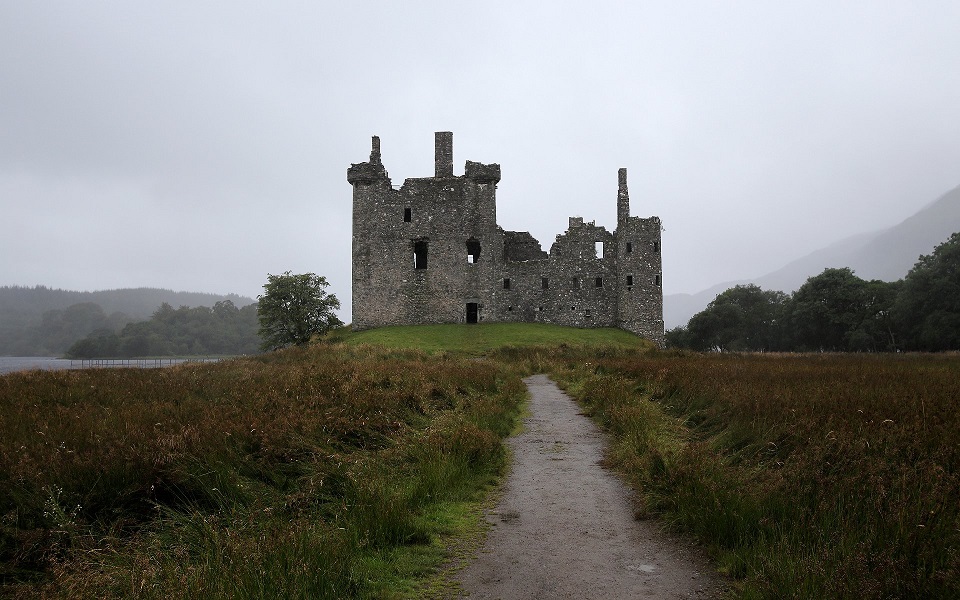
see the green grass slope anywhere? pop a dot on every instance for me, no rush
(483, 338)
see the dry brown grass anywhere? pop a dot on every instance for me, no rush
(330, 451)
(815, 475)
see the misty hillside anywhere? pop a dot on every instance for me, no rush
(138, 303)
(888, 255)
(44, 321)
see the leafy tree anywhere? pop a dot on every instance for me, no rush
(927, 310)
(678, 337)
(744, 317)
(876, 330)
(293, 308)
(838, 311)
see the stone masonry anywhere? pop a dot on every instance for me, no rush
(432, 252)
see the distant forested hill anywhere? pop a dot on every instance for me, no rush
(41, 321)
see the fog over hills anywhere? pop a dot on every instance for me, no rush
(21, 304)
(41, 321)
(887, 254)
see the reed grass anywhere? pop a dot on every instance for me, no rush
(340, 470)
(327, 472)
(811, 476)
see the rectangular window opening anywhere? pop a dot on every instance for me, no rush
(544, 283)
(473, 251)
(575, 282)
(658, 280)
(587, 315)
(506, 283)
(420, 254)
(598, 282)
(629, 280)
(598, 248)
(406, 215)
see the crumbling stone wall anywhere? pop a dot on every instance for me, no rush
(432, 252)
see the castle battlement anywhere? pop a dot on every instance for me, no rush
(431, 252)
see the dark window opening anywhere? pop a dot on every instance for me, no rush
(656, 246)
(472, 312)
(587, 315)
(629, 247)
(576, 283)
(506, 283)
(420, 255)
(510, 308)
(629, 279)
(658, 279)
(406, 215)
(598, 282)
(544, 283)
(473, 251)
(539, 309)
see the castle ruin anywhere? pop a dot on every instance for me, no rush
(432, 252)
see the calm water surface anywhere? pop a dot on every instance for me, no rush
(9, 364)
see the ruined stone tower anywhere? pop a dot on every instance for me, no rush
(432, 252)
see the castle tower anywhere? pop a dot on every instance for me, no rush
(371, 191)
(639, 269)
(428, 251)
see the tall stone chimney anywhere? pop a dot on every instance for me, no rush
(443, 156)
(623, 199)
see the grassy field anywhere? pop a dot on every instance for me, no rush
(347, 469)
(810, 476)
(327, 472)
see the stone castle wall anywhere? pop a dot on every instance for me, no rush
(432, 252)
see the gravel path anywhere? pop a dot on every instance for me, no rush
(564, 527)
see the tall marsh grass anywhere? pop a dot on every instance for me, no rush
(312, 472)
(813, 476)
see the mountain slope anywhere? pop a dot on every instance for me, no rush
(887, 254)
(32, 319)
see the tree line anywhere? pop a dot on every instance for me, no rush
(293, 310)
(223, 329)
(837, 311)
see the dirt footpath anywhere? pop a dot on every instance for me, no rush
(564, 527)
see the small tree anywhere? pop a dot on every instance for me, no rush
(293, 308)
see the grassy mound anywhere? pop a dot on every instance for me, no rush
(483, 338)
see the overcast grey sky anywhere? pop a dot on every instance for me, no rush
(201, 145)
